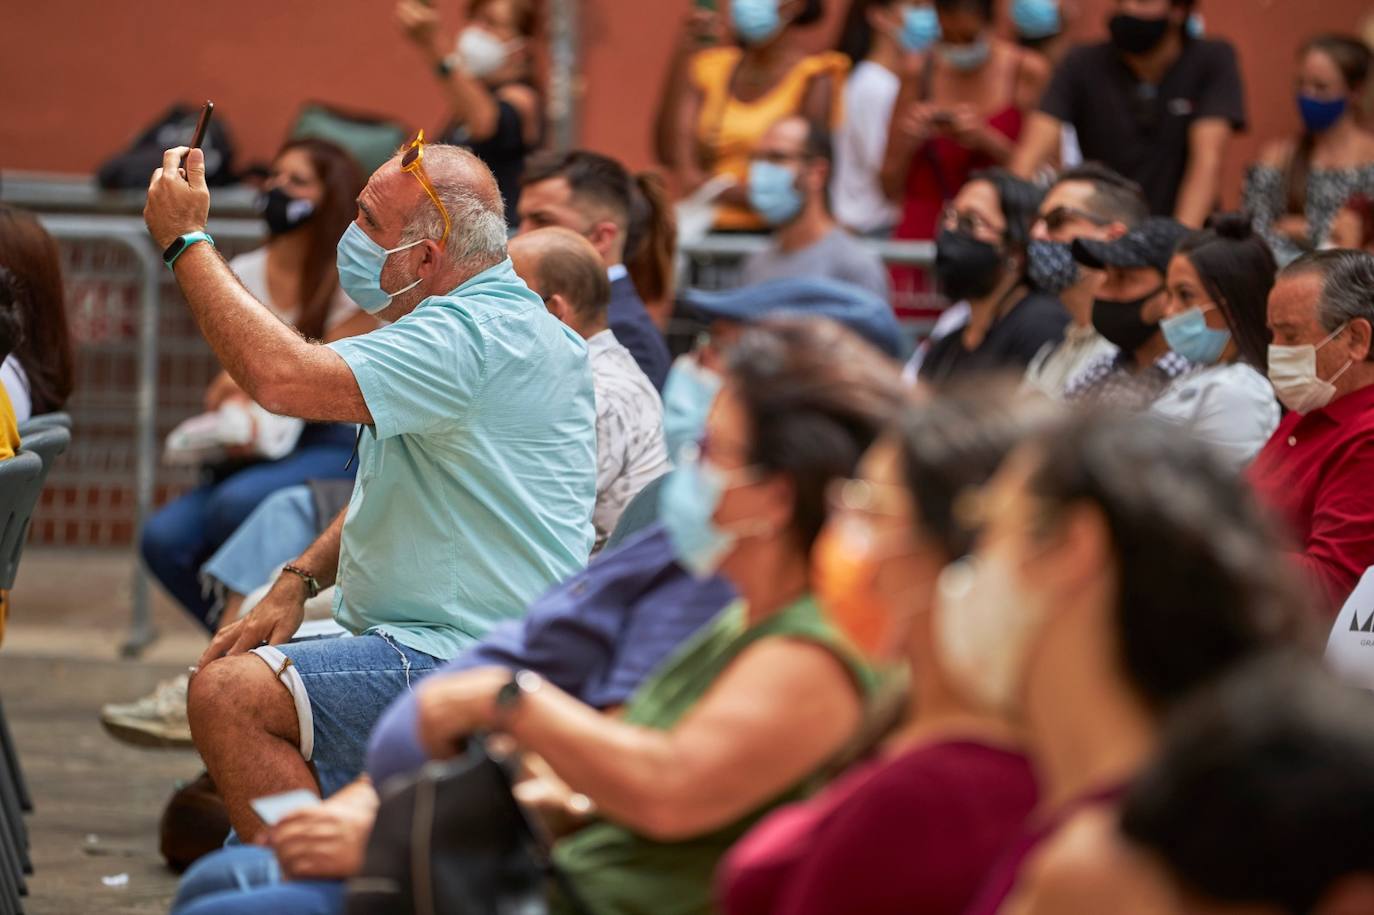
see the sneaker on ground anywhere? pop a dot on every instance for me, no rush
(156, 720)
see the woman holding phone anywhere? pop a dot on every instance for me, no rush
(495, 109)
(960, 110)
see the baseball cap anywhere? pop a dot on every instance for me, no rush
(853, 306)
(1149, 244)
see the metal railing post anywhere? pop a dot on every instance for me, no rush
(141, 630)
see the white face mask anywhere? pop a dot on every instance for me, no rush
(1293, 373)
(984, 627)
(481, 52)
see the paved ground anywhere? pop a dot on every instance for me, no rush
(97, 800)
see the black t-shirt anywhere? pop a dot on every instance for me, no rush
(504, 152)
(1010, 344)
(1139, 129)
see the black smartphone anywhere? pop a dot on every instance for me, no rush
(202, 124)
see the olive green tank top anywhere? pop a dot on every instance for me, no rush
(617, 871)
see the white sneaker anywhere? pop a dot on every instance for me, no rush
(157, 720)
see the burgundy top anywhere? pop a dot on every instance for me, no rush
(1315, 472)
(915, 833)
(1001, 879)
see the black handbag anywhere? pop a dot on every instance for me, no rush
(453, 840)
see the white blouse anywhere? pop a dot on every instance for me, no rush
(1231, 407)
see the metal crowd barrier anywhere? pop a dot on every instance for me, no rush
(125, 343)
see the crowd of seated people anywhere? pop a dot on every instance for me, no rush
(769, 624)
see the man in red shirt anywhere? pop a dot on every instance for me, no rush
(1317, 471)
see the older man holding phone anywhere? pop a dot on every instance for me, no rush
(477, 464)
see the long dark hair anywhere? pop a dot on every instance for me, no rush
(1353, 58)
(45, 353)
(651, 238)
(856, 35)
(342, 180)
(1201, 581)
(1237, 269)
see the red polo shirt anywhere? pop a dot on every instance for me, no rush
(1317, 472)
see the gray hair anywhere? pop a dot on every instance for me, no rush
(477, 237)
(1347, 285)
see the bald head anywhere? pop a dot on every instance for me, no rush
(567, 272)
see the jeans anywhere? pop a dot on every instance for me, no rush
(341, 686)
(180, 537)
(245, 880)
(277, 531)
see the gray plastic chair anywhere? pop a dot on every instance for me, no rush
(639, 514)
(17, 504)
(43, 421)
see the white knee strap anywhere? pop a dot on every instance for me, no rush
(291, 678)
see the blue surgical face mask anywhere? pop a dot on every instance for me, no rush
(1036, 19)
(965, 57)
(687, 506)
(1188, 335)
(920, 28)
(1319, 114)
(773, 192)
(755, 21)
(360, 269)
(687, 397)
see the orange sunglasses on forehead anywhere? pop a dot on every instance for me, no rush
(414, 162)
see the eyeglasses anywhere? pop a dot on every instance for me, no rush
(865, 497)
(967, 222)
(1059, 217)
(414, 162)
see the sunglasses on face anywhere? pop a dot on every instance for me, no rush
(413, 162)
(1062, 216)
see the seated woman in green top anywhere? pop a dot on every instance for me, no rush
(752, 707)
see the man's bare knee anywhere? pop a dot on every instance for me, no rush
(240, 691)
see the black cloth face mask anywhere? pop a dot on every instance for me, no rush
(1120, 322)
(1134, 35)
(966, 267)
(282, 212)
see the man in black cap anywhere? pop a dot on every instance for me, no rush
(1127, 310)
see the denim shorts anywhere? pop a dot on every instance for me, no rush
(341, 686)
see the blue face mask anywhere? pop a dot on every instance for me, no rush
(755, 21)
(687, 397)
(360, 269)
(1319, 114)
(920, 28)
(1036, 19)
(965, 57)
(686, 505)
(773, 192)
(1189, 336)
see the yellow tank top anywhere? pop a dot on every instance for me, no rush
(9, 426)
(729, 129)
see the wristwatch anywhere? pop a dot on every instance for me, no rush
(312, 584)
(509, 697)
(181, 243)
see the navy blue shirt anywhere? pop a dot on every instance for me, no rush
(636, 331)
(597, 636)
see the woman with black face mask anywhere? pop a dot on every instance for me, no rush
(980, 259)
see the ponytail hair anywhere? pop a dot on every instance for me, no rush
(1353, 58)
(1237, 269)
(651, 238)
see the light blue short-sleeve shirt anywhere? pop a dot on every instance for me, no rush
(477, 479)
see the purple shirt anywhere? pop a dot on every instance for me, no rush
(595, 636)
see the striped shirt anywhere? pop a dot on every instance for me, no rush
(630, 448)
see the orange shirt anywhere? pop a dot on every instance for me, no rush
(729, 129)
